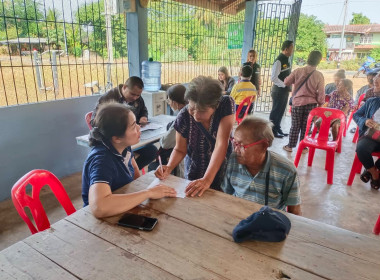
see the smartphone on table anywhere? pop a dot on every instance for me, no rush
(137, 221)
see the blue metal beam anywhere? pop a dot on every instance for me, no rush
(249, 28)
(137, 39)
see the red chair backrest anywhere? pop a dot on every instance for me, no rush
(246, 102)
(361, 99)
(327, 115)
(88, 119)
(37, 179)
(327, 98)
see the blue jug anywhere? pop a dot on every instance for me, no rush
(151, 74)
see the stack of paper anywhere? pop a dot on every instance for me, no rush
(177, 183)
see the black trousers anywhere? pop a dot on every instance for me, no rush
(280, 100)
(364, 150)
(147, 154)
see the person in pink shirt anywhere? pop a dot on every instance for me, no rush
(308, 93)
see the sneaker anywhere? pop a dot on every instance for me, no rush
(305, 150)
(287, 148)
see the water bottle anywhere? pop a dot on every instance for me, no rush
(151, 74)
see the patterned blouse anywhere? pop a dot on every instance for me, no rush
(199, 146)
(341, 101)
(371, 93)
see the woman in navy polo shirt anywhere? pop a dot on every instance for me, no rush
(111, 165)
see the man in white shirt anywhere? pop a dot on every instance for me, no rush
(280, 92)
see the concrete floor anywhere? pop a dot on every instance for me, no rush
(354, 208)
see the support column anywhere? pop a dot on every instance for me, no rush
(249, 28)
(137, 39)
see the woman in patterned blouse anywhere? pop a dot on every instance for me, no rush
(341, 99)
(203, 130)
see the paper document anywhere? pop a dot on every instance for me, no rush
(151, 126)
(177, 183)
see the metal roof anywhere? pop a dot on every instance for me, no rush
(353, 28)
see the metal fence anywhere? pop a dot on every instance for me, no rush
(192, 40)
(57, 49)
(275, 23)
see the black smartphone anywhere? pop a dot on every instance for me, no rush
(137, 221)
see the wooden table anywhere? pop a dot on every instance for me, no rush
(192, 240)
(147, 136)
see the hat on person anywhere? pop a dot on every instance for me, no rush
(263, 225)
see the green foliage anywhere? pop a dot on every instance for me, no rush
(175, 54)
(359, 18)
(327, 65)
(310, 37)
(23, 16)
(375, 53)
(180, 27)
(352, 64)
(77, 51)
(93, 16)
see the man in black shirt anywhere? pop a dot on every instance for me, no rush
(280, 92)
(130, 95)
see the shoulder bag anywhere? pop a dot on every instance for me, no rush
(295, 93)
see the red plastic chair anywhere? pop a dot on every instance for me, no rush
(38, 178)
(322, 140)
(376, 229)
(356, 136)
(327, 98)
(352, 114)
(248, 101)
(88, 119)
(357, 168)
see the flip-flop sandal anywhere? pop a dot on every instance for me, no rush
(365, 176)
(375, 184)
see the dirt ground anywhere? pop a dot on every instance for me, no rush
(18, 77)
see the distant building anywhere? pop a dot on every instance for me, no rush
(23, 46)
(358, 41)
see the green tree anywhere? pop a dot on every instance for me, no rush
(310, 36)
(92, 15)
(22, 15)
(53, 29)
(359, 18)
(375, 53)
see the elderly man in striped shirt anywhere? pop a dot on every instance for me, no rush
(259, 175)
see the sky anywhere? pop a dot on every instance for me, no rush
(331, 11)
(328, 11)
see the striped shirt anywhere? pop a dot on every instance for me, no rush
(242, 90)
(284, 186)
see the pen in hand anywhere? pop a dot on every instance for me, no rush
(159, 160)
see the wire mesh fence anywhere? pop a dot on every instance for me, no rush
(275, 23)
(192, 40)
(57, 49)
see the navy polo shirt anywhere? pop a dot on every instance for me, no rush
(105, 165)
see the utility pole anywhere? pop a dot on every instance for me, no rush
(108, 10)
(342, 35)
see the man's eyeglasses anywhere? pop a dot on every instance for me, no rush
(242, 148)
